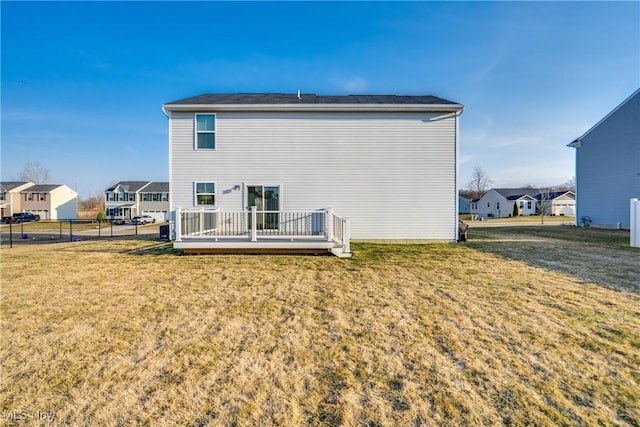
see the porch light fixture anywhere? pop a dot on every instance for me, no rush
(236, 187)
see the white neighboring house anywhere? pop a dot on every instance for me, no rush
(608, 167)
(388, 163)
(126, 199)
(50, 201)
(10, 196)
(498, 202)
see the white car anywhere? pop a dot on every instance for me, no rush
(144, 219)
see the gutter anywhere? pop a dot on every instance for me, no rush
(382, 108)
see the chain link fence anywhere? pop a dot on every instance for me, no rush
(76, 230)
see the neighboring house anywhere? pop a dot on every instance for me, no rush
(499, 202)
(464, 205)
(126, 199)
(563, 203)
(10, 196)
(388, 163)
(50, 201)
(154, 200)
(608, 166)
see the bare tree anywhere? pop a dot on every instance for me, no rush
(34, 172)
(479, 182)
(544, 201)
(570, 185)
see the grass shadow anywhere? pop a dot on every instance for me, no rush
(602, 257)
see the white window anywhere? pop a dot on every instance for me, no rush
(529, 205)
(206, 131)
(205, 193)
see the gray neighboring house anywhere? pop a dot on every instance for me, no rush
(126, 199)
(608, 167)
(387, 162)
(464, 205)
(154, 200)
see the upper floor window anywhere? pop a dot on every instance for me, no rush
(205, 193)
(3, 196)
(155, 197)
(121, 196)
(206, 131)
(35, 197)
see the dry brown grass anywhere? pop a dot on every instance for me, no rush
(127, 332)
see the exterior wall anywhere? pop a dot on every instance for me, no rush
(42, 208)
(527, 209)
(394, 175)
(494, 205)
(64, 202)
(158, 210)
(60, 203)
(608, 167)
(464, 205)
(13, 202)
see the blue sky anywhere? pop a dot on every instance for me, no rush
(83, 82)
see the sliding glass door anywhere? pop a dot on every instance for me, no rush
(267, 201)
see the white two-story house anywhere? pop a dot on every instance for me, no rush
(126, 199)
(278, 170)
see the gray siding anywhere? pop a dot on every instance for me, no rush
(608, 167)
(394, 175)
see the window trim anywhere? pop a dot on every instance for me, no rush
(195, 193)
(197, 132)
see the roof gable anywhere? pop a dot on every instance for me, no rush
(12, 185)
(578, 141)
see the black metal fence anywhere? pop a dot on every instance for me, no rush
(72, 231)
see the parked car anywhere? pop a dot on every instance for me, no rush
(25, 217)
(8, 219)
(143, 219)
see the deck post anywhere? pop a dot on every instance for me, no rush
(346, 235)
(201, 222)
(329, 222)
(254, 224)
(177, 224)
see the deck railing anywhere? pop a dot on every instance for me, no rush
(254, 225)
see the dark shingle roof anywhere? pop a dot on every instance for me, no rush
(10, 185)
(308, 98)
(130, 186)
(156, 187)
(516, 193)
(41, 188)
